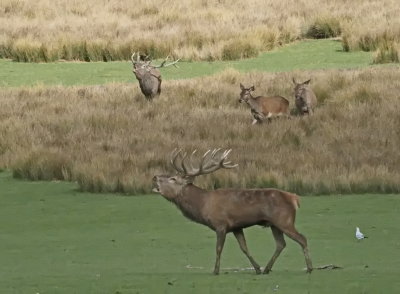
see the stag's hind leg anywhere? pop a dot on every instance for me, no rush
(242, 243)
(280, 245)
(299, 238)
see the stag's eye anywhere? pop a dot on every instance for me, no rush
(172, 180)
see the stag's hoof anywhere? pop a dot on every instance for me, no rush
(258, 271)
(266, 271)
(309, 270)
(215, 272)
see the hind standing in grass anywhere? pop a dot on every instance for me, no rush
(305, 98)
(263, 107)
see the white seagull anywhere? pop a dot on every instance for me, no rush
(359, 235)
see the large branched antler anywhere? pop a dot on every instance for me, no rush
(137, 58)
(146, 61)
(211, 161)
(165, 64)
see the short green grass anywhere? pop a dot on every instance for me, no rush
(54, 239)
(311, 54)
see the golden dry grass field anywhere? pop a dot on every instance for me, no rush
(107, 30)
(108, 138)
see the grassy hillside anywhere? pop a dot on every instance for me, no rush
(55, 240)
(320, 54)
(104, 30)
(109, 139)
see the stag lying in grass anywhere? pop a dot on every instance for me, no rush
(231, 210)
(264, 107)
(305, 98)
(148, 75)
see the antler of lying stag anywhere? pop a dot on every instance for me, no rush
(210, 161)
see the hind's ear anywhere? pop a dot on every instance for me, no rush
(294, 81)
(252, 88)
(241, 86)
(307, 82)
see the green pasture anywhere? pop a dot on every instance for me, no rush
(305, 55)
(54, 239)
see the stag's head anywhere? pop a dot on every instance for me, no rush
(171, 186)
(245, 93)
(300, 88)
(141, 65)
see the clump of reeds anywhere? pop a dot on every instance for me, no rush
(384, 43)
(388, 53)
(325, 27)
(43, 165)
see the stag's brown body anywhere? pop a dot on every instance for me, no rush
(149, 81)
(264, 107)
(232, 210)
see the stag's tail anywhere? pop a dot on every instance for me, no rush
(295, 201)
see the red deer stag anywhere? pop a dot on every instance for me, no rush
(305, 98)
(231, 210)
(264, 107)
(148, 75)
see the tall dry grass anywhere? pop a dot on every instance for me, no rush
(106, 30)
(109, 138)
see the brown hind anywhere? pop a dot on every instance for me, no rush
(263, 107)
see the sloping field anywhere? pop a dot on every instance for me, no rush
(109, 139)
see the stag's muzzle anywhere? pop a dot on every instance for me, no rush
(156, 187)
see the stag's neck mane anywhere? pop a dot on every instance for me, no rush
(191, 202)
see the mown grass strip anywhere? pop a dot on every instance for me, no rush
(306, 55)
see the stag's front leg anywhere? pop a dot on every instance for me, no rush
(242, 243)
(221, 234)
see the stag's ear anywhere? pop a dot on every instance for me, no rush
(294, 81)
(252, 88)
(307, 82)
(241, 87)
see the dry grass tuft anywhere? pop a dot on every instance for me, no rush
(388, 53)
(108, 138)
(325, 27)
(106, 30)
